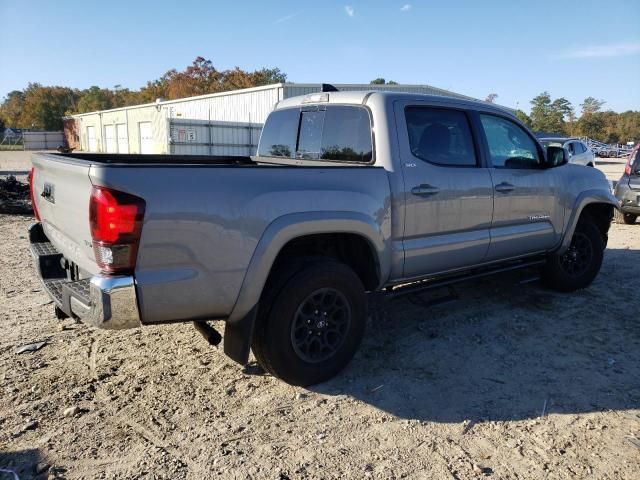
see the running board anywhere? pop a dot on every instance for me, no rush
(434, 282)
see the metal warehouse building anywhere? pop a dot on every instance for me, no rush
(226, 123)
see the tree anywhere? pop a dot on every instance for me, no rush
(95, 98)
(201, 77)
(491, 98)
(592, 126)
(591, 105)
(549, 116)
(44, 107)
(382, 81)
(524, 118)
(11, 108)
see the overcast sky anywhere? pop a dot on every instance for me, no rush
(516, 49)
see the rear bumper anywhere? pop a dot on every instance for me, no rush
(628, 198)
(101, 301)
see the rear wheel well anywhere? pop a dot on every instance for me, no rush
(601, 214)
(349, 248)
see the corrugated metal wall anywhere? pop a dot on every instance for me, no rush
(225, 123)
(42, 140)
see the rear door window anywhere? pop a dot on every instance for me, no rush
(440, 136)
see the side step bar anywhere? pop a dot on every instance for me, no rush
(430, 283)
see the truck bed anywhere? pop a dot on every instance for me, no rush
(204, 218)
(137, 159)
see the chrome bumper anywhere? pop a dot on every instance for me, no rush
(100, 301)
(112, 303)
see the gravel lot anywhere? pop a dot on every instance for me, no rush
(511, 381)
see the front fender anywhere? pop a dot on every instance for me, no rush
(239, 325)
(584, 199)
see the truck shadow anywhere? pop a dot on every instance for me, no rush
(20, 464)
(504, 351)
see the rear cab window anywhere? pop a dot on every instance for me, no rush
(336, 133)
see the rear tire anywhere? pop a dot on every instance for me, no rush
(310, 323)
(626, 218)
(580, 264)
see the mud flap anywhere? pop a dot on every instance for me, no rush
(237, 337)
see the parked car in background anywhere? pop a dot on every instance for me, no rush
(579, 153)
(628, 190)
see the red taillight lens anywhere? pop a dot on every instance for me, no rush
(627, 167)
(116, 224)
(33, 202)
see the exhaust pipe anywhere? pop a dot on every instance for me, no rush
(210, 334)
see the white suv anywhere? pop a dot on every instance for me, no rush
(579, 153)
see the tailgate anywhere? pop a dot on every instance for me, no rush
(61, 190)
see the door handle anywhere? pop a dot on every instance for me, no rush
(504, 187)
(425, 190)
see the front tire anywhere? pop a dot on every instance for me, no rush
(310, 323)
(580, 264)
(626, 218)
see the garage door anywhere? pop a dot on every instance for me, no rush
(110, 140)
(92, 143)
(123, 138)
(146, 141)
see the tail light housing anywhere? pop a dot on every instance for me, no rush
(33, 202)
(631, 159)
(116, 225)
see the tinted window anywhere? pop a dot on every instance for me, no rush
(337, 133)
(509, 145)
(310, 138)
(440, 136)
(279, 134)
(571, 147)
(347, 134)
(580, 148)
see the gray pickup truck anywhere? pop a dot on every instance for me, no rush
(350, 193)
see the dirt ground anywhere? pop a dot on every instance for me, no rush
(511, 381)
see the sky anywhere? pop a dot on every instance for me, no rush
(517, 49)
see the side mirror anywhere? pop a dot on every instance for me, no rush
(556, 156)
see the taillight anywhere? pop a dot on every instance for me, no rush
(116, 224)
(627, 167)
(33, 202)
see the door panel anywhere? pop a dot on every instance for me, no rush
(123, 138)
(110, 140)
(146, 140)
(528, 218)
(92, 143)
(448, 201)
(527, 212)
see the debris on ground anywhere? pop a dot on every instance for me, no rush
(30, 347)
(72, 411)
(14, 197)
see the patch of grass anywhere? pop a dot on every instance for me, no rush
(11, 147)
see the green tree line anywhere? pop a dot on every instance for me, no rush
(41, 107)
(559, 116)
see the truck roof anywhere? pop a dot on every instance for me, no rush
(361, 97)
